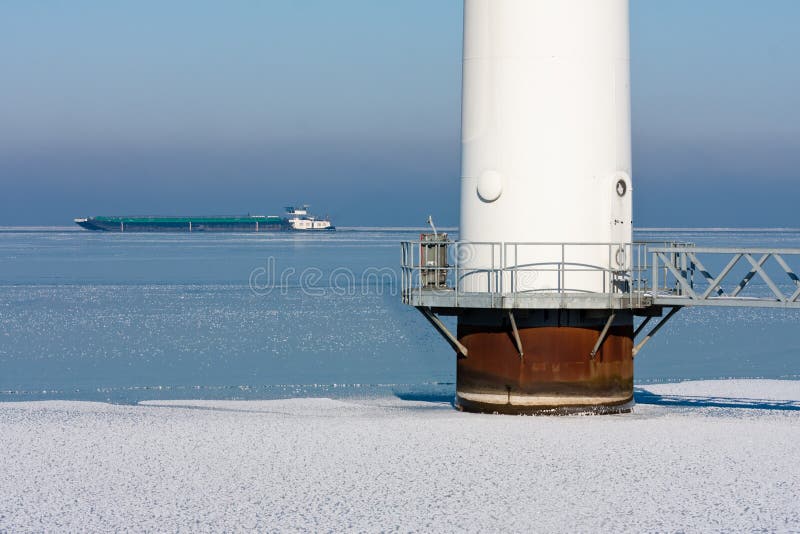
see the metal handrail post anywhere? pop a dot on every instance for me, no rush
(456, 262)
(516, 264)
(684, 266)
(666, 271)
(403, 271)
(654, 281)
(502, 273)
(489, 274)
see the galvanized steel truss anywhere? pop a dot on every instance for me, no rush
(675, 277)
(643, 277)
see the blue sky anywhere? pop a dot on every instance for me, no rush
(354, 106)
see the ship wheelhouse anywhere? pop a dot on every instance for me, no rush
(300, 218)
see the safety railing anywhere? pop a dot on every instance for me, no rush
(596, 275)
(517, 274)
(709, 276)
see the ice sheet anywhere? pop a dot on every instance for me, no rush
(693, 456)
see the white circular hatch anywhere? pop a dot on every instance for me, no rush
(490, 186)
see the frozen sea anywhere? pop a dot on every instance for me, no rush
(155, 383)
(715, 456)
(131, 317)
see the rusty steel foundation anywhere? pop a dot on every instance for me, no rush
(556, 372)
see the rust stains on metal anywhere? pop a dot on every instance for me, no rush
(557, 370)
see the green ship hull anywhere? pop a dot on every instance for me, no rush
(247, 223)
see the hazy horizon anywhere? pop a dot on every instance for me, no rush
(354, 107)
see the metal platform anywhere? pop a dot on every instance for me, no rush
(653, 276)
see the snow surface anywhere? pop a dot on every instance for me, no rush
(692, 456)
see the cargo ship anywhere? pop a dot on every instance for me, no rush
(296, 219)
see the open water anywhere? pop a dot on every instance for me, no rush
(127, 317)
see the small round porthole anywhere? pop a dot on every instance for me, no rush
(622, 187)
(620, 257)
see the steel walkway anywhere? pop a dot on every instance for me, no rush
(652, 276)
(440, 278)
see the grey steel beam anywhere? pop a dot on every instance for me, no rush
(597, 302)
(715, 282)
(678, 276)
(764, 276)
(642, 326)
(515, 332)
(726, 302)
(792, 276)
(442, 329)
(655, 330)
(451, 299)
(603, 335)
(728, 250)
(749, 276)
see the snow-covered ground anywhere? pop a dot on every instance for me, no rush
(693, 456)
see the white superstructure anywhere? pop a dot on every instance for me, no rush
(301, 219)
(546, 133)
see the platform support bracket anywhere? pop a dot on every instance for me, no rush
(515, 333)
(642, 326)
(603, 336)
(443, 331)
(655, 329)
